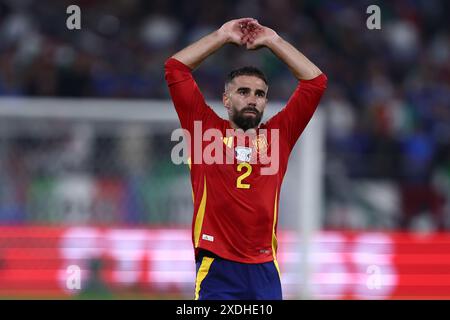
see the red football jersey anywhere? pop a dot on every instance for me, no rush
(235, 203)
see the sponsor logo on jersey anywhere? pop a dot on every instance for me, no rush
(207, 237)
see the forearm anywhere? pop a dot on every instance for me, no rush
(195, 53)
(300, 66)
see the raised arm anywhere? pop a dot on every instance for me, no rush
(230, 32)
(256, 35)
(302, 104)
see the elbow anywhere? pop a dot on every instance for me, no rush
(321, 79)
(168, 63)
(173, 63)
(325, 80)
(318, 73)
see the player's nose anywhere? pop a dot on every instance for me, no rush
(251, 100)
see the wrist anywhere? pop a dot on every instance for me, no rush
(222, 36)
(273, 41)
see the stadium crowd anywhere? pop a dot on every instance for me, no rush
(387, 105)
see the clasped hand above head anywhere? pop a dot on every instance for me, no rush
(248, 32)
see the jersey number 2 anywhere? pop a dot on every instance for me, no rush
(239, 183)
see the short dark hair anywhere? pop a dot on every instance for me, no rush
(246, 71)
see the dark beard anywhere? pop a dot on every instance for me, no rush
(246, 122)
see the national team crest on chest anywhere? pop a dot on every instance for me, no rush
(260, 143)
(243, 154)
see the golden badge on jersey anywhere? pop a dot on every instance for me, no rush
(260, 143)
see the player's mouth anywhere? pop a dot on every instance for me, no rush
(252, 112)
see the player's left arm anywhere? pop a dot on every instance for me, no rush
(312, 82)
(301, 67)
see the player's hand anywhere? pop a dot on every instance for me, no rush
(256, 35)
(234, 31)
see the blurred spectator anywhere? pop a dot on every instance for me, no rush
(418, 192)
(388, 112)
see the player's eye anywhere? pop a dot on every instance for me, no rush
(243, 91)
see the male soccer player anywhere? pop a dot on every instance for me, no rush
(235, 205)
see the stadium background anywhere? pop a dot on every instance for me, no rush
(85, 171)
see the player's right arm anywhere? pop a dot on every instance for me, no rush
(186, 96)
(230, 32)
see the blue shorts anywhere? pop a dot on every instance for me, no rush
(220, 279)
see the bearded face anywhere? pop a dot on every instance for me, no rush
(245, 99)
(246, 118)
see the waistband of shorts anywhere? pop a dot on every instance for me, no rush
(206, 253)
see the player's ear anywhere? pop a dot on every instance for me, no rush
(226, 100)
